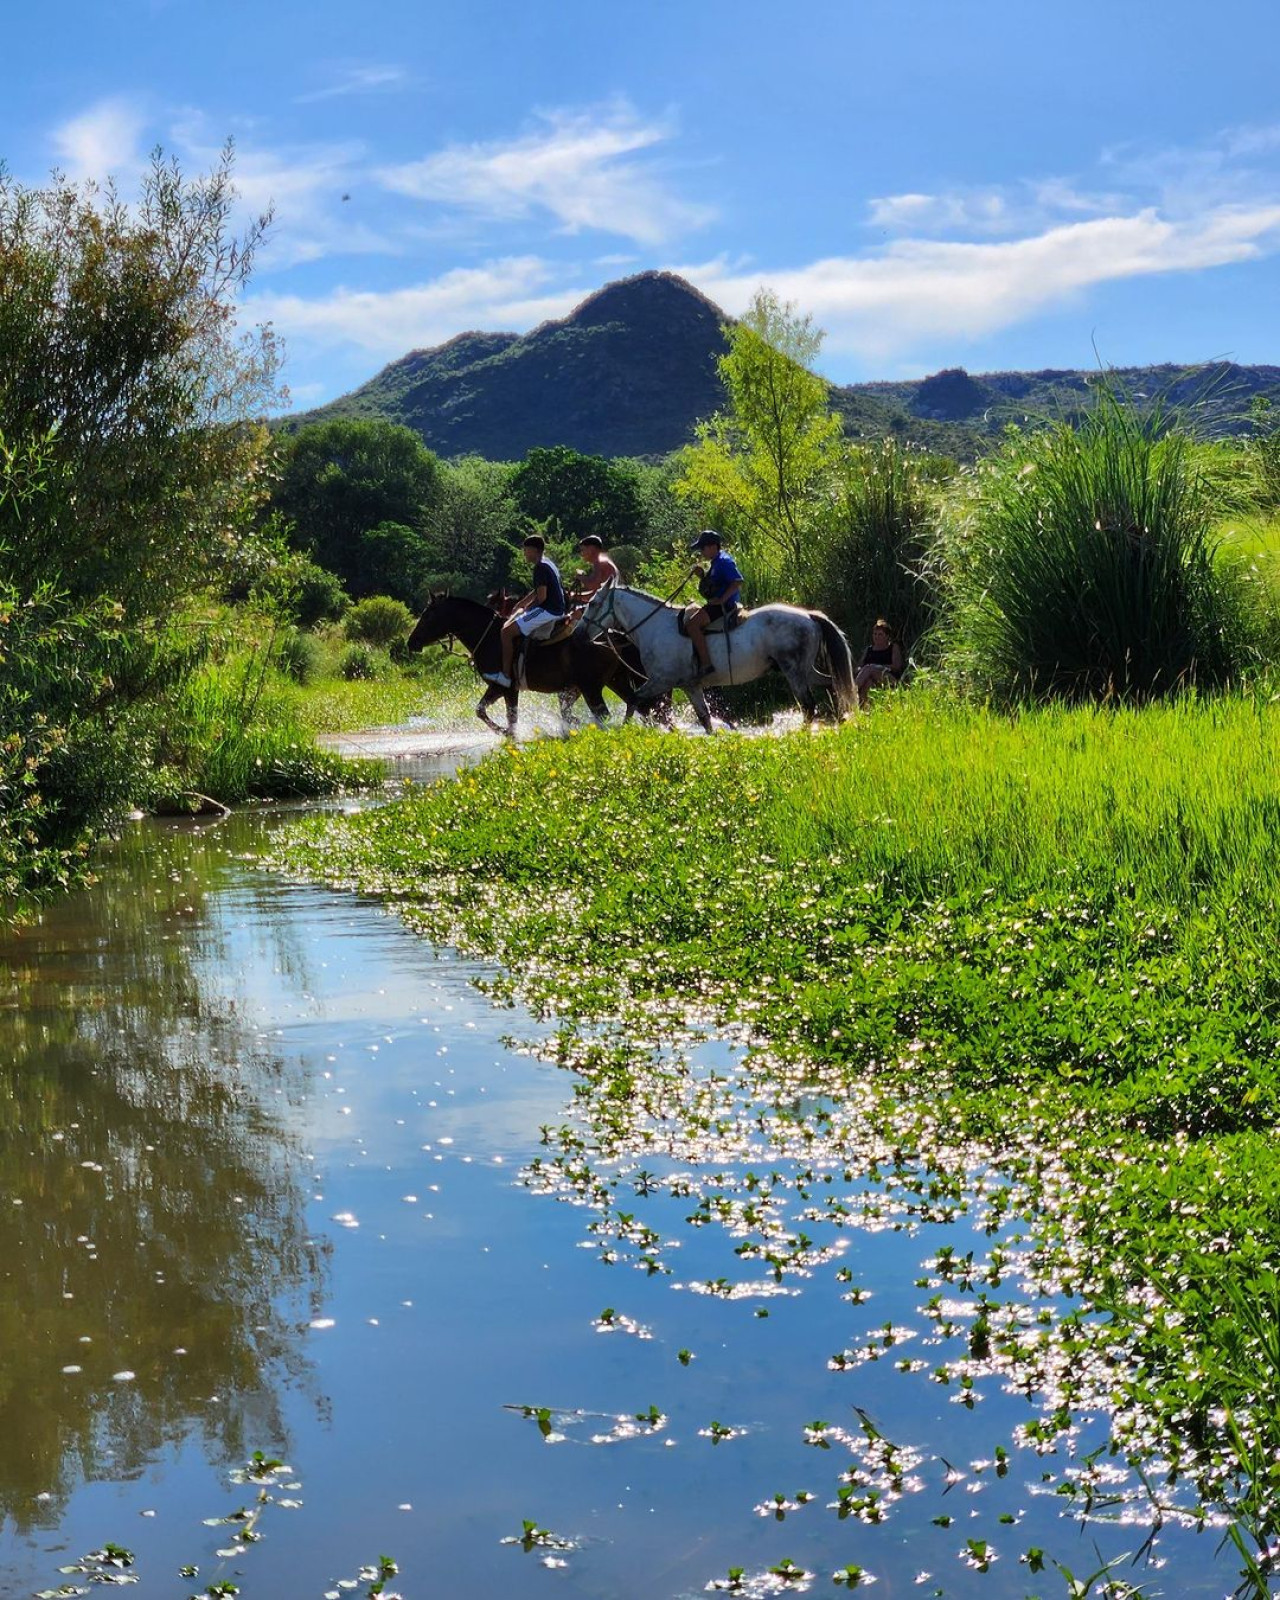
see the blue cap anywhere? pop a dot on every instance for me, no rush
(706, 537)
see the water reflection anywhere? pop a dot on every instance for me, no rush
(155, 1256)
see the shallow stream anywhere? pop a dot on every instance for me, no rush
(275, 1178)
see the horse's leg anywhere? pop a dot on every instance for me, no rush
(568, 697)
(512, 696)
(699, 703)
(799, 674)
(482, 709)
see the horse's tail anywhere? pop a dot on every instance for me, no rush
(839, 660)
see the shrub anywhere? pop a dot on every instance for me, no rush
(319, 594)
(868, 561)
(380, 621)
(1078, 564)
(358, 662)
(300, 656)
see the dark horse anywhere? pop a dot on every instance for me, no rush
(571, 666)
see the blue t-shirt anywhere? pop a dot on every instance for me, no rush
(721, 575)
(546, 577)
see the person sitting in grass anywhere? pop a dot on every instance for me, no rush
(718, 583)
(536, 613)
(882, 662)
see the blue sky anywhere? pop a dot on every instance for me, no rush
(1004, 184)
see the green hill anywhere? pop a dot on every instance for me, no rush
(632, 370)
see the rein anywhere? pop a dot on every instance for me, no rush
(652, 612)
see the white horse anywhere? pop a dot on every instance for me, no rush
(805, 646)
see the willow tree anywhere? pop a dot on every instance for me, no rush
(763, 466)
(134, 451)
(119, 344)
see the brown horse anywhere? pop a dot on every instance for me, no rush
(572, 666)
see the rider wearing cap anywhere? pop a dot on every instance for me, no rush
(718, 585)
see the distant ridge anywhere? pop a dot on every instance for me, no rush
(632, 370)
(627, 373)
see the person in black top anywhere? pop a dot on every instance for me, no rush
(536, 613)
(882, 662)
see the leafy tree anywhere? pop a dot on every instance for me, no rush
(761, 468)
(119, 345)
(396, 560)
(574, 494)
(472, 526)
(339, 480)
(131, 460)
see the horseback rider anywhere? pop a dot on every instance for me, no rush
(601, 567)
(536, 613)
(718, 584)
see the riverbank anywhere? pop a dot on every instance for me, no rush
(1043, 942)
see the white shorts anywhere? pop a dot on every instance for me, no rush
(537, 623)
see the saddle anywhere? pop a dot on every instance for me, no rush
(520, 660)
(725, 624)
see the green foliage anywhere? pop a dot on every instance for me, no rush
(119, 349)
(471, 527)
(379, 621)
(359, 662)
(1078, 564)
(300, 657)
(870, 557)
(570, 495)
(131, 463)
(1263, 453)
(762, 467)
(318, 593)
(359, 495)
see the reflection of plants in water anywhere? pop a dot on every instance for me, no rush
(154, 1229)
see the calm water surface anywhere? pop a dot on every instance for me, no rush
(261, 1190)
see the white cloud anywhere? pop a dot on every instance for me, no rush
(515, 293)
(102, 142)
(358, 80)
(921, 290)
(583, 167)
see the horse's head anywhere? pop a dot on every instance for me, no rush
(600, 611)
(434, 624)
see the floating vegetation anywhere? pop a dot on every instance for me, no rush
(1010, 984)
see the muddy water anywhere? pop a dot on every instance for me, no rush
(260, 1189)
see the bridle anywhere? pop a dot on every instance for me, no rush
(450, 637)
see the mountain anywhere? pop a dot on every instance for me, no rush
(627, 373)
(632, 370)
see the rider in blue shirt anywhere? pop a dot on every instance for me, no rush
(718, 585)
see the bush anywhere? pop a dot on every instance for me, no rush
(380, 621)
(300, 656)
(1079, 565)
(358, 662)
(868, 560)
(319, 595)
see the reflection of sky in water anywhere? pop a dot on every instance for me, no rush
(450, 1294)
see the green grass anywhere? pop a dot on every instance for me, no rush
(443, 685)
(1052, 933)
(232, 738)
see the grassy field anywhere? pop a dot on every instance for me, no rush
(1051, 935)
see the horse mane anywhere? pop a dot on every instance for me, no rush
(462, 600)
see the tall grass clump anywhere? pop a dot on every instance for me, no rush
(1079, 564)
(870, 552)
(232, 735)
